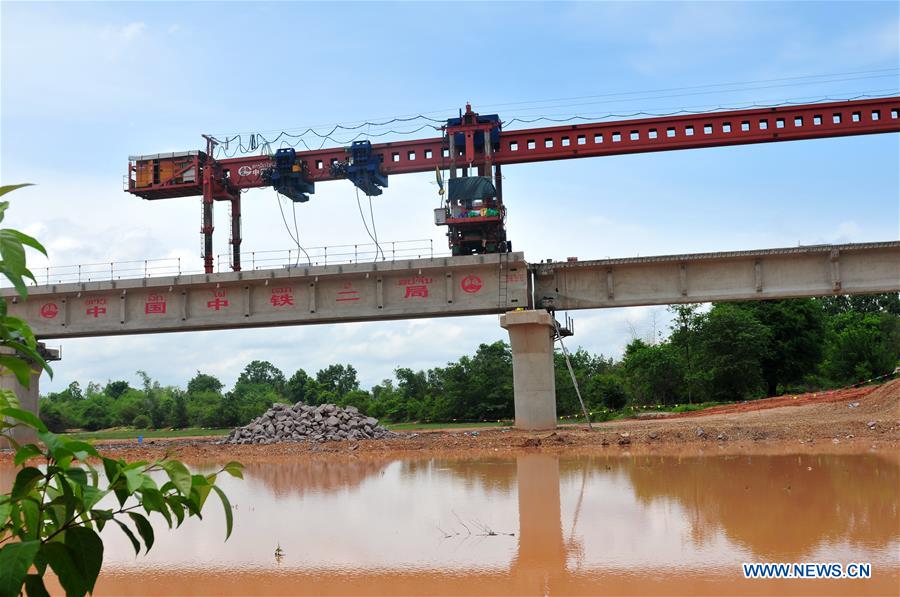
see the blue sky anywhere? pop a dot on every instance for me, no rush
(86, 85)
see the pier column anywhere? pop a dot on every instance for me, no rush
(29, 398)
(534, 384)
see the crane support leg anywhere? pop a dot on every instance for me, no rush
(207, 231)
(236, 232)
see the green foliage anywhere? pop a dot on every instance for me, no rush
(204, 383)
(797, 333)
(733, 344)
(52, 517)
(338, 379)
(114, 389)
(141, 422)
(861, 346)
(653, 373)
(605, 390)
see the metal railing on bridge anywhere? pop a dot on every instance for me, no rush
(254, 260)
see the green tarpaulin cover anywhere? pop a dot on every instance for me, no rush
(471, 188)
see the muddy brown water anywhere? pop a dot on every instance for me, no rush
(534, 524)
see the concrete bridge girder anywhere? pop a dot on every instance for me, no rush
(455, 286)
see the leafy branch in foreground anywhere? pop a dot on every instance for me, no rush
(54, 513)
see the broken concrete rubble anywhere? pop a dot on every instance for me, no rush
(302, 422)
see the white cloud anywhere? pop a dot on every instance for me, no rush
(130, 31)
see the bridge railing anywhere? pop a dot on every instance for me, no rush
(332, 255)
(254, 260)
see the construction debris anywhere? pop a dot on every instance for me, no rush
(301, 422)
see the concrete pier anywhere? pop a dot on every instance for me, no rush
(534, 383)
(28, 400)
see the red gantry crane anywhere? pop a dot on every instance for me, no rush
(473, 148)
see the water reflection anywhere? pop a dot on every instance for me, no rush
(600, 524)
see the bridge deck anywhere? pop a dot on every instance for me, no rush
(448, 286)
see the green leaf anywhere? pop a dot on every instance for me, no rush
(12, 187)
(177, 510)
(153, 501)
(34, 586)
(81, 449)
(179, 475)
(5, 509)
(143, 527)
(25, 481)
(134, 478)
(111, 468)
(200, 490)
(59, 556)
(134, 542)
(15, 560)
(76, 474)
(92, 496)
(13, 254)
(31, 514)
(25, 452)
(235, 469)
(87, 553)
(24, 239)
(18, 367)
(229, 515)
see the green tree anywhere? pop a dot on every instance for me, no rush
(797, 336)
(262, 372)
(733, 344)
(607, 390)
(865, 303)
(180, 418)
(653, 373)
(684, 338)
(203, 382)
(338, 379)
(861, 346)
(300, 388)
(114, 389)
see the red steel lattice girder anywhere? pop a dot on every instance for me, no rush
(716, 129)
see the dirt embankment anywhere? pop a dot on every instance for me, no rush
(855, 419)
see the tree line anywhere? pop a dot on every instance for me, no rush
(718, 353)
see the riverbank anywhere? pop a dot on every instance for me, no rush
(850, 420)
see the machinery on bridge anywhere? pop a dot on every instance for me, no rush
(472, 149)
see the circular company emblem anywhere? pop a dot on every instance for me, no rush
(245, 171)
(49, 310)
(471, 284)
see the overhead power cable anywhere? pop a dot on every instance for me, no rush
(704, 110)
(895, 70)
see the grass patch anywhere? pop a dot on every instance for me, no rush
(686, 408)
(427, 426)
(121, 433)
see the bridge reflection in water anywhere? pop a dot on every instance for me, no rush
(601, 524)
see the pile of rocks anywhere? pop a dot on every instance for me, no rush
(302, 422)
